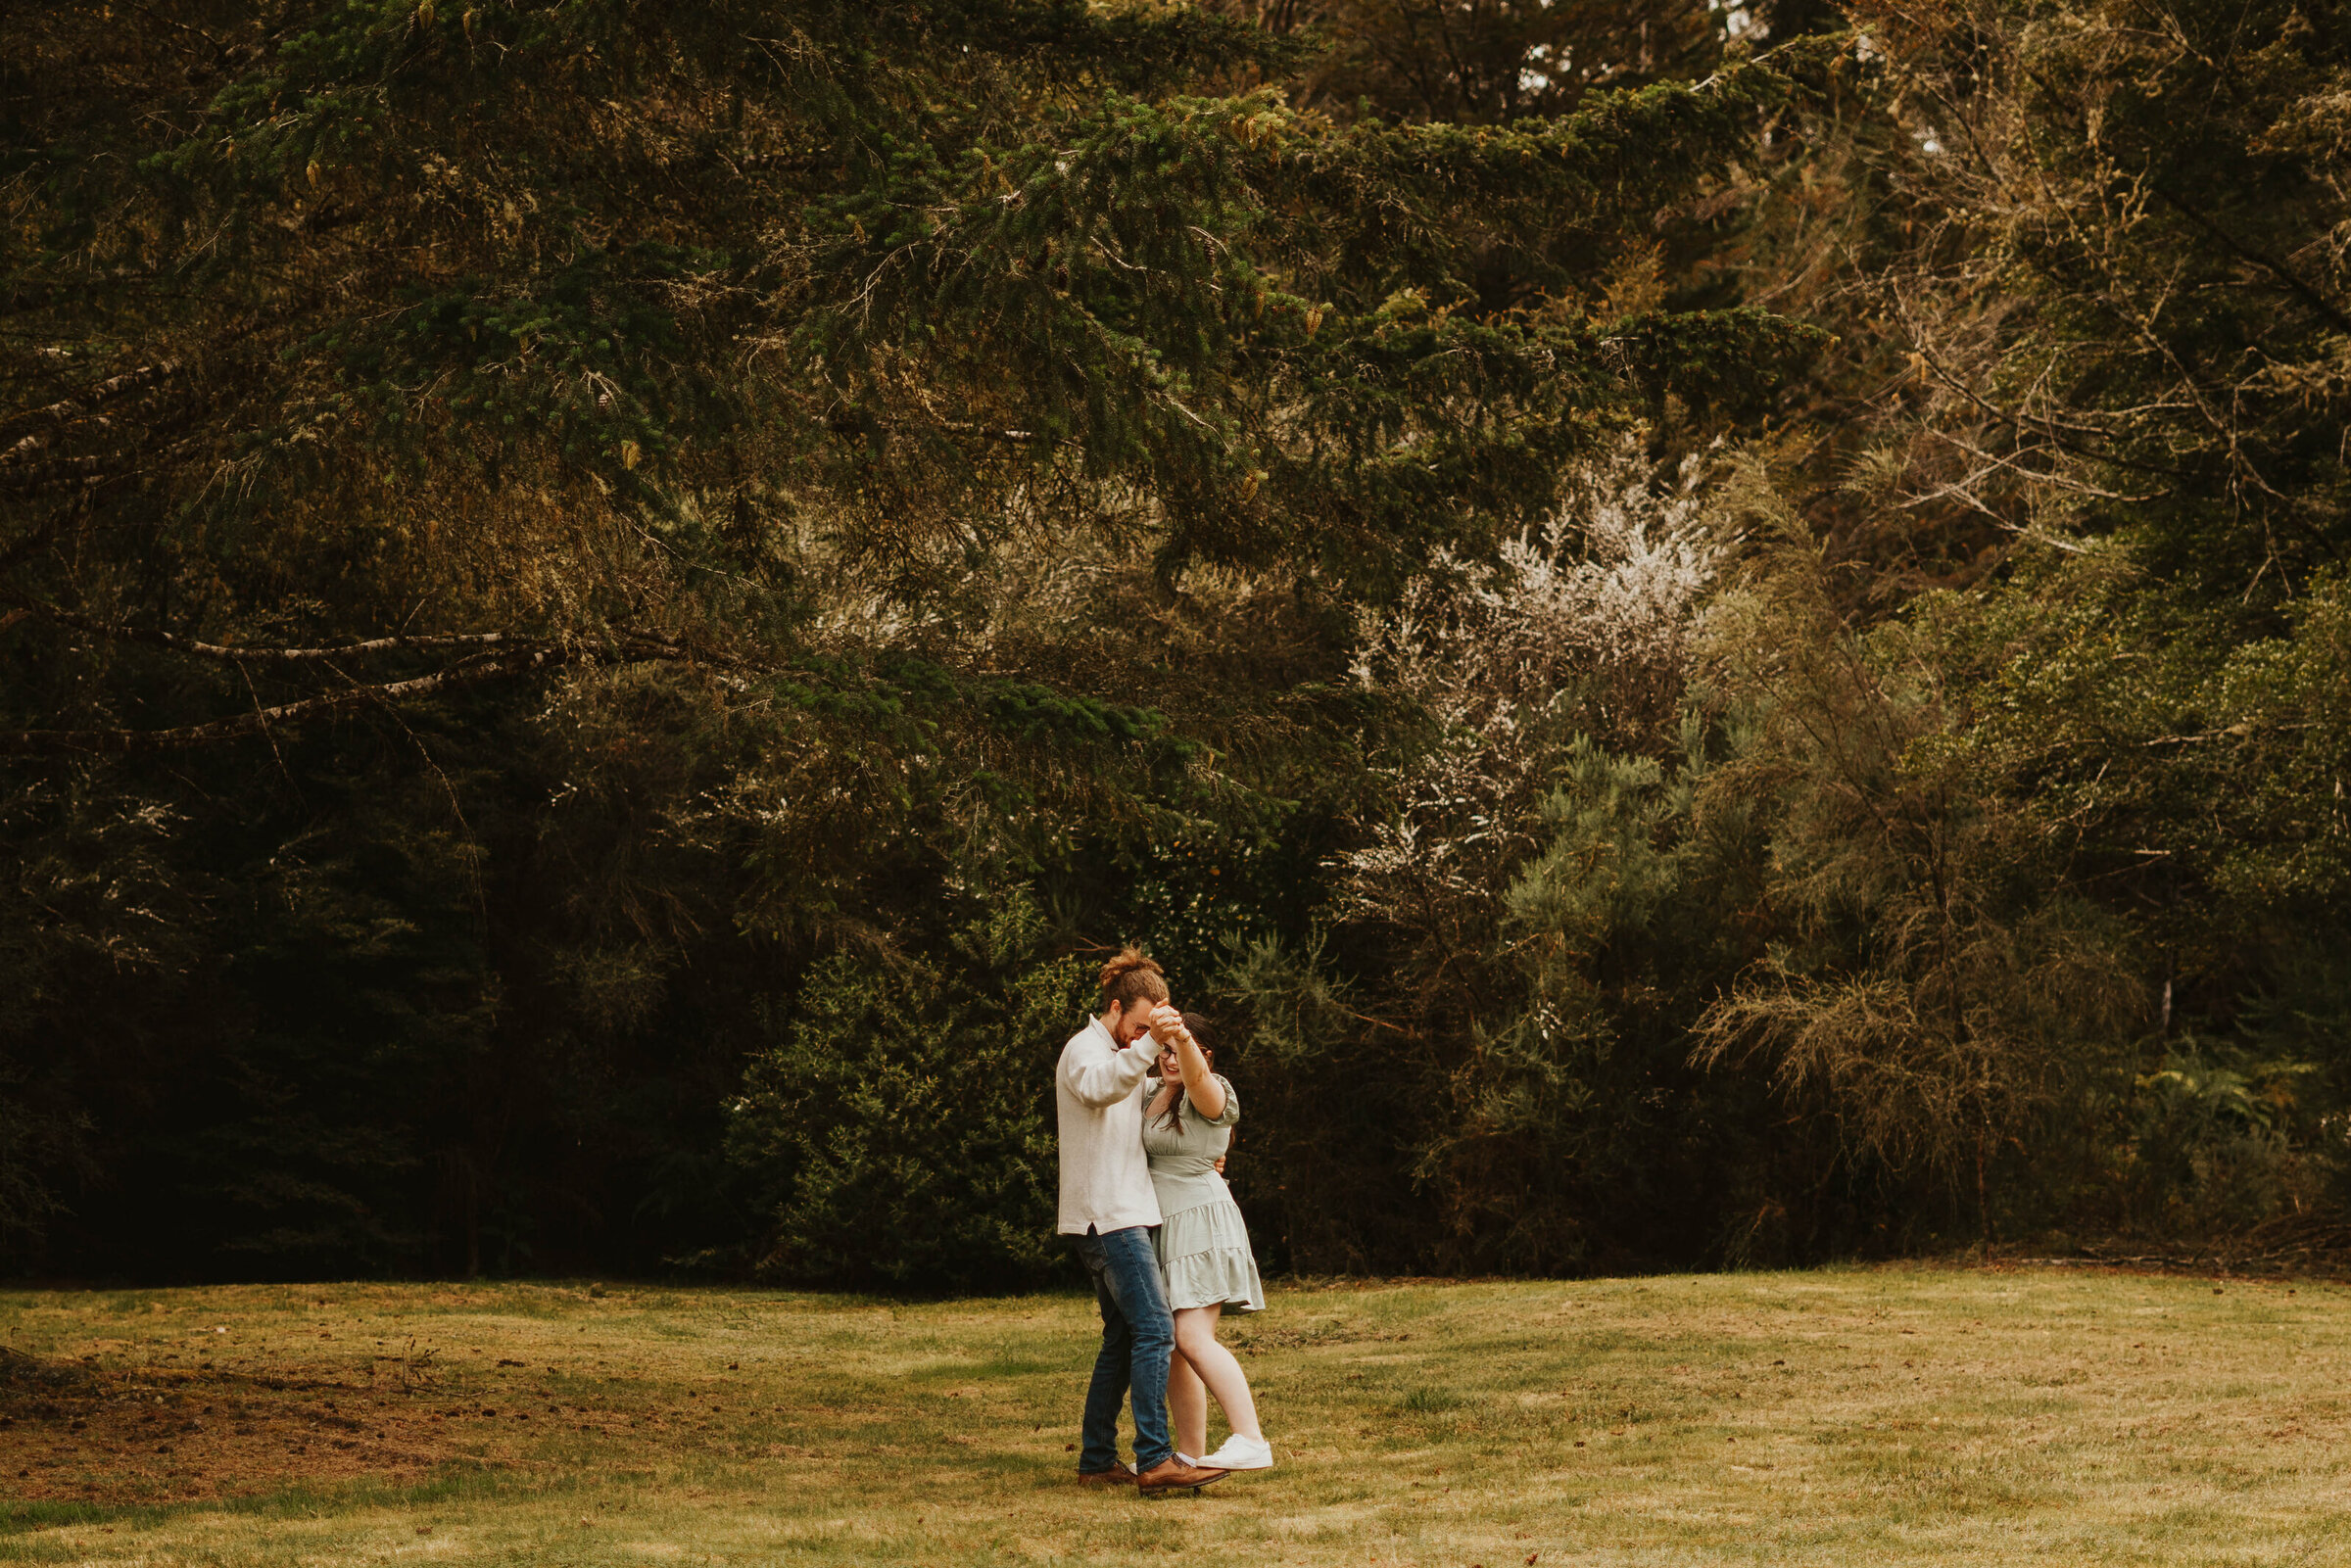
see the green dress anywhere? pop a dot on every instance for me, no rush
(1202, 1242)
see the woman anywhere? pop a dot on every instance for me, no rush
(1203, 1245)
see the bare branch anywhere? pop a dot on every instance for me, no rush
(2299, 286)
(632, 643)
(128, 742)
(80, 403)
(503, 655)
(484, 641)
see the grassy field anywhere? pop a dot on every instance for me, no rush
(1847, 1418)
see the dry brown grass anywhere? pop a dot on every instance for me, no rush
(1877, 1417)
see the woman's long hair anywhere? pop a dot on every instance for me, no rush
(1172, 1117)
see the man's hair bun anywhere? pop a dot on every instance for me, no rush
(1132, 977)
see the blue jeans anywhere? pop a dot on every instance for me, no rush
(1138, 1334)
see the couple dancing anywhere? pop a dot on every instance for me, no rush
(1160, 1234)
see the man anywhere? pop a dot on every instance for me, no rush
(1108, 1205)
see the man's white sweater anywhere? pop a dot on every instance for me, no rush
(1098, 1089)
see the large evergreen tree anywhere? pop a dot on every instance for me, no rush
(522, 525)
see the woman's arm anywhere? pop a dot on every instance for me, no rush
(1200, 1085)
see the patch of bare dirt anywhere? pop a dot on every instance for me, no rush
(72, 1432)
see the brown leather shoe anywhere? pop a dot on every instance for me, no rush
(1120, 1474)
(1171, 1474)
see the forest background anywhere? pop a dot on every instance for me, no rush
(1712, 636)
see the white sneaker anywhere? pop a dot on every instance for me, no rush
(1241, 1453)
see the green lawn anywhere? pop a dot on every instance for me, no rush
(1856, 1416)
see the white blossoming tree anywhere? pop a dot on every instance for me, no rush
(1531, 830)
(1580, 628)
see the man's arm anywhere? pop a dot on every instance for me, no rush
(1099, 1077)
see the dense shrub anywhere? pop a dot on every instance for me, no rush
(898, 1128)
